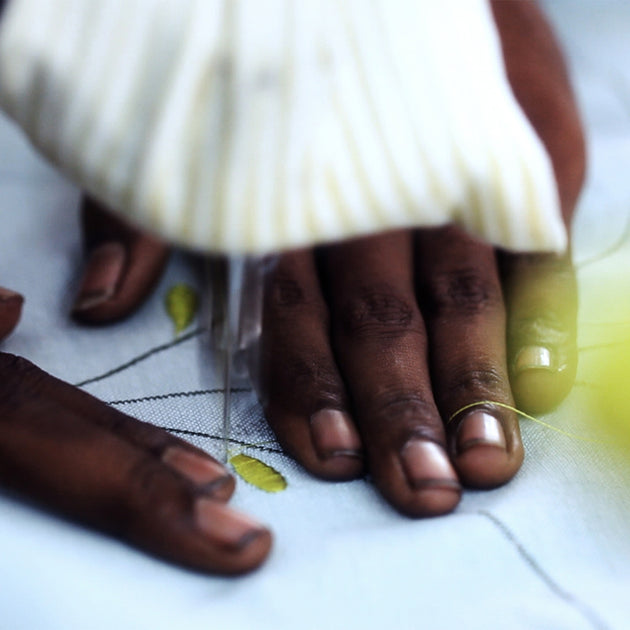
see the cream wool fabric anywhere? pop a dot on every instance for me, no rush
(256, 125)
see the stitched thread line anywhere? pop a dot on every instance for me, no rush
(189, 394)
(141, 357)
(260, 447)
(586, 611)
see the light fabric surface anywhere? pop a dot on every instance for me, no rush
(549, 551)
(258, 125)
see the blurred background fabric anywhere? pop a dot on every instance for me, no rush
(549, 550)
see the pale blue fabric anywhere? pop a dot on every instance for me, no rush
(549, 551)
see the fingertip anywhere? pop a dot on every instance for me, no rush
(327, 444)
(538, 391)
(542, 330)
(336, 445)
(429, 501)
(432, 498)
(337, 466)
(254, 553)
(420, 481)
(102, 276)
(207, 474)
(118, 278)
(487, 450)
(236, 542)
(485, 466)
(10, 311)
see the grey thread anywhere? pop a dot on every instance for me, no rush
(586, 611)
(267, 449)
(189, 394)
(141, 357)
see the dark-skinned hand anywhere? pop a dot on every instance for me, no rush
(369, 348)
(372, 346)
(70, 452)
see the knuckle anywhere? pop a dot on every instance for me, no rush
(314, 372)
(379, 312)
(409, 410)
(314, 381)
(286, 291)
(460, 291)
(484, 382)
(286, 294)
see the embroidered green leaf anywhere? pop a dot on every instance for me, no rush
(258, 473)
(181, 304)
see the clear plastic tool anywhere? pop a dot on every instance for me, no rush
(236, 291)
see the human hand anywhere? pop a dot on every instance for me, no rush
(371, 348)
(84, 459)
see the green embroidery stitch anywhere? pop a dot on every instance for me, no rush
(182, 303)
(258, 473)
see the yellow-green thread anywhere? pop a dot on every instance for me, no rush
(258, 473)
(182, 303)
(526, 416)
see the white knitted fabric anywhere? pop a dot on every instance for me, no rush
(257, 125)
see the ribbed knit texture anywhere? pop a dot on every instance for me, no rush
(256, 125)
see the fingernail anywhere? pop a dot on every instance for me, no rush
(202, 471)
(102, 275)
(224, 526)
(334, 434)
(533, 358)
(480, 428)
(427, 464)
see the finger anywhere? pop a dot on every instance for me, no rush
(10, 310)
(462, 304)
(302, 391)
(380, 344)
(57, 457)
(540, 82)
(122, 269)
(541, 297)
(193, 463)
(541, 293)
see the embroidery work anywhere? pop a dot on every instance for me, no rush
(140, 358)
(182, 304)
(257, 473)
